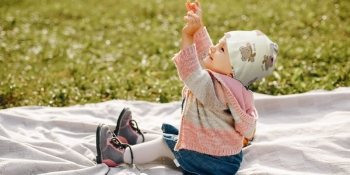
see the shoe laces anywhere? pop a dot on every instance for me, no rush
(118, 144)
(135, 127)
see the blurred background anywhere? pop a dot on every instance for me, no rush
(68, 52)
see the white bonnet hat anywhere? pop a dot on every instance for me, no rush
(252, 55)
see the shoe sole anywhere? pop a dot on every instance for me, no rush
(98, 149)
(116, 131)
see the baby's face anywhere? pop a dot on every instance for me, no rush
(218, 59)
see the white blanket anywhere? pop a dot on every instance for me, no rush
(296, 134)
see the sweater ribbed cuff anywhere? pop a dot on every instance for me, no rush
(186, 62)
(203, 42)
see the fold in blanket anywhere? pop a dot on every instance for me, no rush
(296, 134)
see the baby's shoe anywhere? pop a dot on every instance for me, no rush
(126, 128)
(110, 150)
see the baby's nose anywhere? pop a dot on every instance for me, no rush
(212, 49)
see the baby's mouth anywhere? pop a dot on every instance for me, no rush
(210, 56)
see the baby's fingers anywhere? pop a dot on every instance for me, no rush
(197, 8)
(197, 3)
(193, 15)
(188, 5)
(188, 19)
(191, 6)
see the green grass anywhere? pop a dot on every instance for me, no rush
(67, 52)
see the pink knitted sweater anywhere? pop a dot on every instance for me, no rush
(218, 110)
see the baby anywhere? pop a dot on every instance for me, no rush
(218, 110)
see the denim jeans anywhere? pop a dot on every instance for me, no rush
(197, 163)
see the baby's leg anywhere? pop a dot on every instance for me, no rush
(148, 137)
(148, 151)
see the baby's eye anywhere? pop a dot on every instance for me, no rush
(222, 49)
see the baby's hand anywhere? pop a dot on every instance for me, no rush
(193, 18)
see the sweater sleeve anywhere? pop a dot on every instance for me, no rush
(203, 42)
(198, 81)
(247, 127)
(245, 120)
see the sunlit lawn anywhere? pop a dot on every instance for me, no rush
(67, 52)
